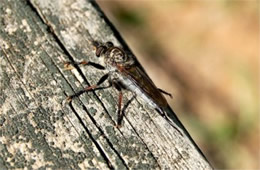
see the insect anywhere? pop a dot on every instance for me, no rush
(124, 73)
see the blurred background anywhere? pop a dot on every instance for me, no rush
(206, 53)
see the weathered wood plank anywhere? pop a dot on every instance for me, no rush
(36, 38)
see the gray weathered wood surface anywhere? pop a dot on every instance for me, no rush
(39, 130)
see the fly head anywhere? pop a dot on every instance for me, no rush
(113, 55)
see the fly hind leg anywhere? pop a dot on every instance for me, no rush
(166, 93)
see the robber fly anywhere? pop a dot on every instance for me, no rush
(124, 73)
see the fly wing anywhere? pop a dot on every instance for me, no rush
(142, 80)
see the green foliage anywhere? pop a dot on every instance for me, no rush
(129, 17)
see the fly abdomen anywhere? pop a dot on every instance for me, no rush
(131, 86)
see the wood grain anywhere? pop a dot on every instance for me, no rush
(40, 130)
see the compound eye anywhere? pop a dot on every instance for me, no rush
(95, 44)
(100, 50)
(109, 44)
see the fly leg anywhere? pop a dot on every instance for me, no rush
(120, 115)
(120, 111)
(169, 120)
(72, 64)
(166, 93)
(90, 88)
(120, 118)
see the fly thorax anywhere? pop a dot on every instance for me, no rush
(116, 55)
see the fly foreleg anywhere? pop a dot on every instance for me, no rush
(90, 88)
(71, 64)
